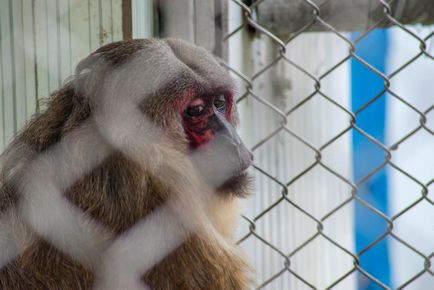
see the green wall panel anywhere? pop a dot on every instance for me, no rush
(41, 41)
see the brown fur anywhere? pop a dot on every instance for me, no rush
(118, 193)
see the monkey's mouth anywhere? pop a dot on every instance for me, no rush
(238, 184)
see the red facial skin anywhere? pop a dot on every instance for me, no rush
(197, 128)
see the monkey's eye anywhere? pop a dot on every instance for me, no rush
(196, 108)
(220, 103)
(195, 111)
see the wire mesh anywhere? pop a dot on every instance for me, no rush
(279, 48)
(286, 189)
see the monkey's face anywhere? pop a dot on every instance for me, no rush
(216, 148)
(184, 91)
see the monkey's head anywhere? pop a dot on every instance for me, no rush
(181, 89)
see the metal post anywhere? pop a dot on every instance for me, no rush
(282, 17)
(201, 22)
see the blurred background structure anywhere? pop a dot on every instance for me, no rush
(337, 104)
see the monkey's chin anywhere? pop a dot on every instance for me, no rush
(238, 185)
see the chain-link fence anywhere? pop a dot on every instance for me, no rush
(292, 223)
(292, 63)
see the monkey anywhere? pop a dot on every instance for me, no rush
(189, 119)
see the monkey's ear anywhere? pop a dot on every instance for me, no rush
(87, 63)
(85, 72)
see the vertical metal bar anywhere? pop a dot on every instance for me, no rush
(24, 58)
(177, 19)
(221, 21)
(94, 24)
(59, 57)
(13, 68)
(117, 24)
(195, 22)
(47, 47)
(19, 57)
(64, 45)
(89, 25)
(100, 27)
(70, 36)
(111, 22)
(127, 28)
(34, 58)
(28, 96)
(2, 109)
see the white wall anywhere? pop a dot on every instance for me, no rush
(283, 157)
(40, 46)
(415, 84)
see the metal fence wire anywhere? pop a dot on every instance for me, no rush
(298, 226)
(283, 189)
